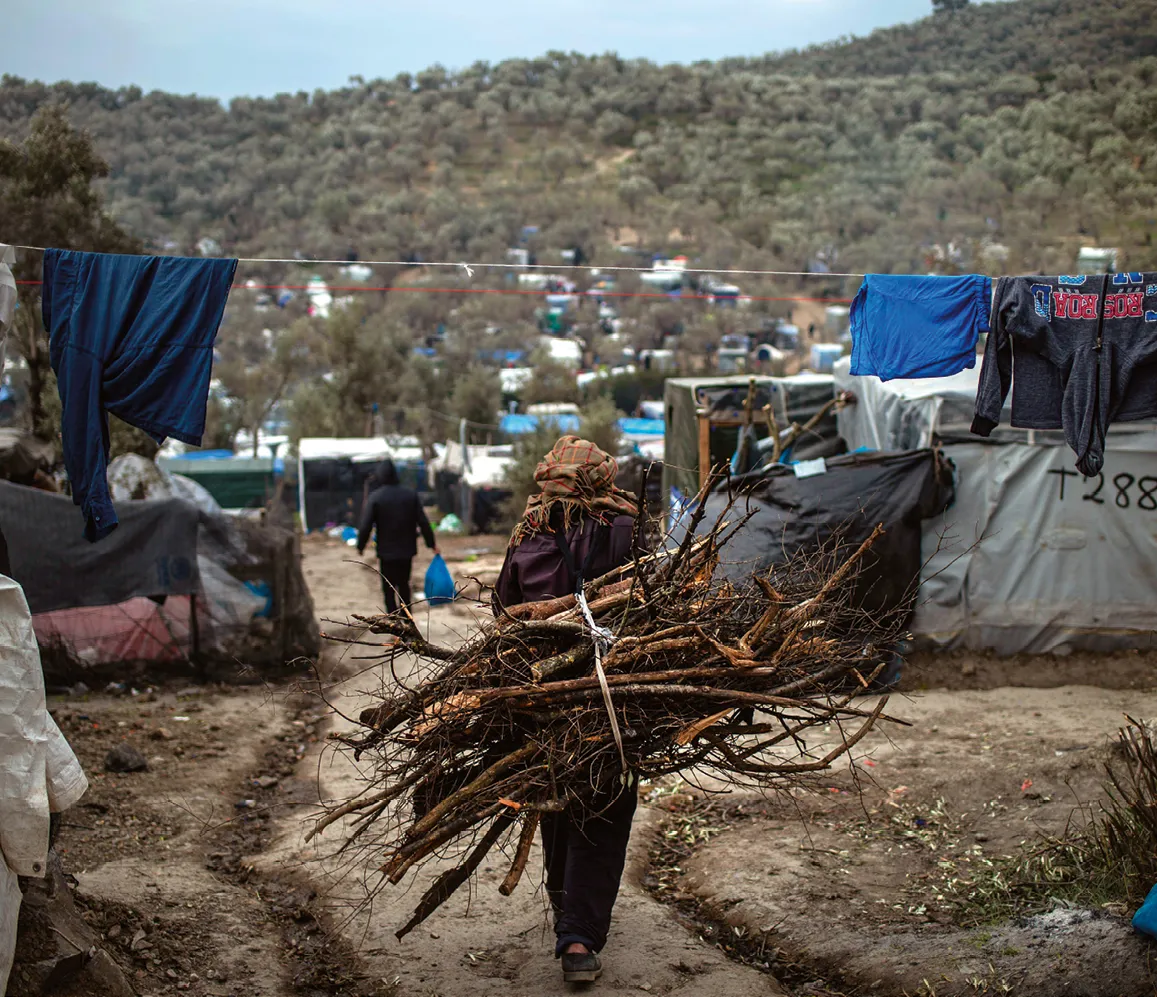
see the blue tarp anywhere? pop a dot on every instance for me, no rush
(642, 428)
(520, 425)
(207, 455)
(503, 356)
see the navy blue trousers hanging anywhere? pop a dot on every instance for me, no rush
(130, 335)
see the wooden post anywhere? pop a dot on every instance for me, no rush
(704, 446)
(195, 655)
(281, 597)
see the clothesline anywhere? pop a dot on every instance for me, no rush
(329, 288)
(470, 266)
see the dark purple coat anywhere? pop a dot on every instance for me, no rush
(535, 570)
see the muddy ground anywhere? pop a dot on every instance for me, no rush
(198, 880)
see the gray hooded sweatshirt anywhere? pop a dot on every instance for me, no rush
(1084, 352)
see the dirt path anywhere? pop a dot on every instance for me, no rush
(483, 943)
(145, 847)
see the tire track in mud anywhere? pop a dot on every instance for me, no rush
(318, 961)
(679, 835)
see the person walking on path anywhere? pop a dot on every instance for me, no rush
(578, 527)
(394, 513)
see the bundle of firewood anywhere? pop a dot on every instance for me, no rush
(536, 712)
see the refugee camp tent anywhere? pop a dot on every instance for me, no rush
(332, 474)
(519, 424)
(177, 577)
(793, 399)
(639, 432)
(235, 482)
(153, 552)
(1031, 556)
(833, 511)
(470, 482)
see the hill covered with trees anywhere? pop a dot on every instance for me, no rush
(1031, 121)
(1014, 132)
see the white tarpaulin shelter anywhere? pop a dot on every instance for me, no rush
(471, 482)
(39, 774)
(1031, 556)
(332, 471)
(351, 448)
(480, 466)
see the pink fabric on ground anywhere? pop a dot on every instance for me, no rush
(137, 630)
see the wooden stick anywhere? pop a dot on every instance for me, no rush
(484, 780)
(560, 663)
(445, 885)
(805, 610)
(409, 855)
(360, 804)
(817, 765)
(521, 854)
(693, 730)
(752, 637)
(591, 682)
(734, 696)
(544, 610)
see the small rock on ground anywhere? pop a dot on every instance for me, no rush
(125, 758)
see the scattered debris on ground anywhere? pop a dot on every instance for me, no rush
(192, 860)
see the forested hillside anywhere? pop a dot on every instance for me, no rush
(1032, 122)
(998, 138)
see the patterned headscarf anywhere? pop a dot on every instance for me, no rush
(578, 478)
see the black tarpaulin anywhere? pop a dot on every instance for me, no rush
(836, 511)
(153, 552)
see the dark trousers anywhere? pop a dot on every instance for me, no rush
(584, 857)
(396, 583)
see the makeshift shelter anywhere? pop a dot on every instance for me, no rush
(169, 584)
(235, 482)
(640, 432)
(704, 416)
(470, 482)
(332, 475)
(1031, 556)
(519, 424)
(837, 509)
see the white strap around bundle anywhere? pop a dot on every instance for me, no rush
(603, 639)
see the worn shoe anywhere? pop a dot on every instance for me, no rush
(581, 967)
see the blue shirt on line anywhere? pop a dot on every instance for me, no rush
(130, 335)
(907, 326)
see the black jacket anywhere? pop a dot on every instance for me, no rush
(396, 513)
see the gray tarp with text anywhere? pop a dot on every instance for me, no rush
(1030, 557)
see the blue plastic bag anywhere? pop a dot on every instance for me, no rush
(1145, 920)
(439, 583)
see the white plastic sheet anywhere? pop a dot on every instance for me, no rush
(1033, 557)
(39, 773)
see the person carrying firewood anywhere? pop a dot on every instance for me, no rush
(577, 527)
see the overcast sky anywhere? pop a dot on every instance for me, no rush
(251, 47)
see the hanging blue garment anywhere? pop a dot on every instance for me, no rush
(918, 326)
(130, 335)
